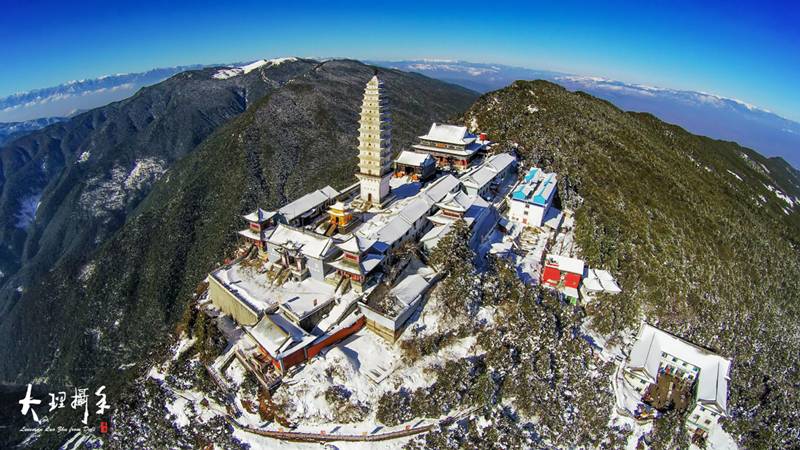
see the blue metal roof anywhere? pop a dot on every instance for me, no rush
(531, 174)
(531, 191)
(545, 191)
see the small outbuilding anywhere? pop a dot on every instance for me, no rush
(418, 166)
(563, 273)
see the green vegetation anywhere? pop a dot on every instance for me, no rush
(454, 258)
(347, 410)
(535, 380)
(696, 249)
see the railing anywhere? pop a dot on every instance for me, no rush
(325, 437)
(322, 436)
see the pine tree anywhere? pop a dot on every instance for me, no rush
(456, 260)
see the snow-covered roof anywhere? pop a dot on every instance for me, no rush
(365, 265)
(339, 206)
(274, 332)
(370, 261)
(712, 379)
(553, 218)
(414, 159)
(438, 189)
(409, 288)
(400, 224)
(477, 209)
(388, 229)
(336, 315)
(250, 234)
(598, 280)
(414, 210)
(467, 151)
(565, 263)
(308, 202)
(457, 201)
(435, 234)
(303, 306)
(356, 244)
(487, 171)
(259, 215)
(476, 212)
(450, 134)
(245, 284)
(310, 244)
(392, 231)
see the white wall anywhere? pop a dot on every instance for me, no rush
(316, 268)
(533, 213)
(699, 415)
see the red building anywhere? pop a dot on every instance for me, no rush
(453, 147)
(563, 273)
(286, 345)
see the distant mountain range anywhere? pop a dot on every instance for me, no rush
(69, 98)
(13, 130)
(697, 112)
(701, 113)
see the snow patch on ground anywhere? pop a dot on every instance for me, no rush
(84, 157)
(367, 366)
(735, 175)
(27, 210)
(781, 195)
(183, 345)
(104, 195)
(143, 172)
(235, 372)
(86, 272)
(177, 407)
(718, 439)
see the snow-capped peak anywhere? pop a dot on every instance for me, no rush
(247, 68)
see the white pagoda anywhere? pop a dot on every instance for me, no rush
(375, 144)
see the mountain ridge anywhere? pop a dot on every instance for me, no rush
(13, 130)
(80, 178)
(701, 113)
(684, 220)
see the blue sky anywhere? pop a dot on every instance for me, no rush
(749, 51)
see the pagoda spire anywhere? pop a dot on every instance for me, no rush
(375, 143)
